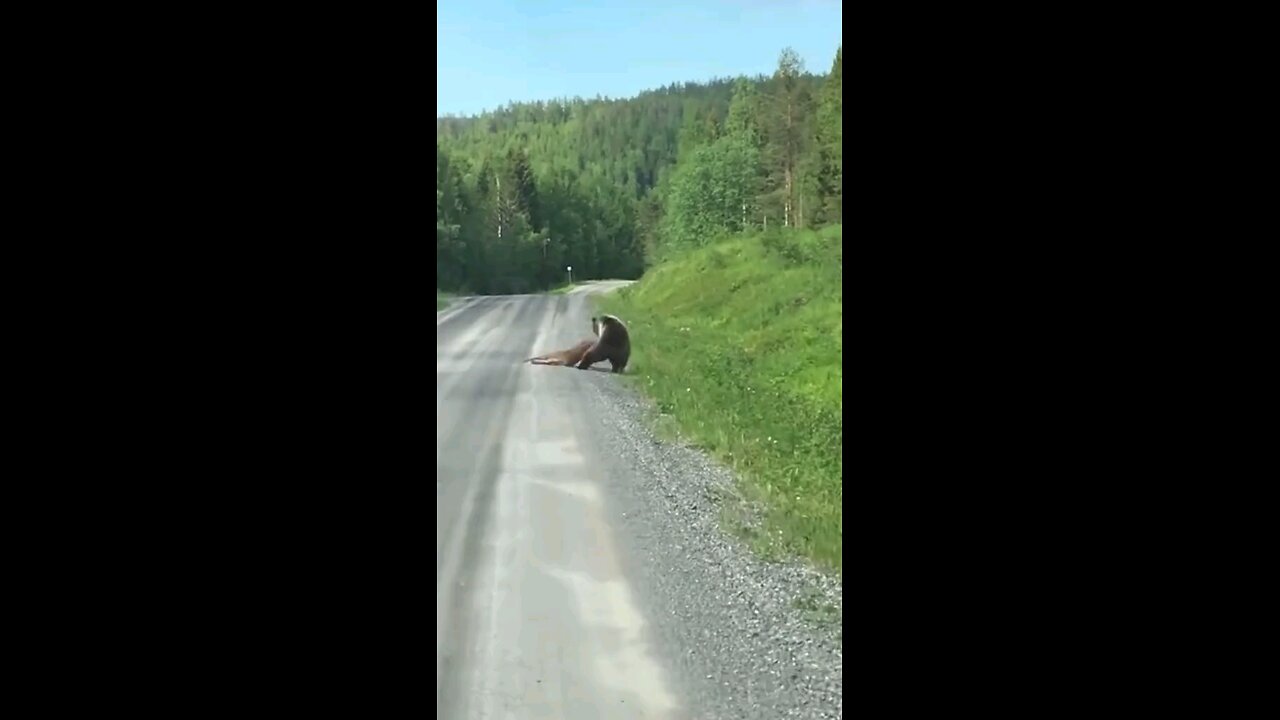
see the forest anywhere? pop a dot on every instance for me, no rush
(610, 187)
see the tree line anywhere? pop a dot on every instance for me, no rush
(607, 186)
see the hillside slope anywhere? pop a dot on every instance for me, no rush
(741, 343)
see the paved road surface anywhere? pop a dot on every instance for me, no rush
(582, 571)
(535, 617)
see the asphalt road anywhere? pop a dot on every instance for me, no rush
(535, 617)
(582, 568)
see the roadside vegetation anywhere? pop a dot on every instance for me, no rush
(606, 185)
(726, 199)
(442, 301)
(740, 343)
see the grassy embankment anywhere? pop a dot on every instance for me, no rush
(442, 301)
(741, 344)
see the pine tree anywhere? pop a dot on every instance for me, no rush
(786, 131)
(605, 185)
(830, 144)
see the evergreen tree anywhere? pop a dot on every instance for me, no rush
(830, 132)
(605, 185)
(786, 133)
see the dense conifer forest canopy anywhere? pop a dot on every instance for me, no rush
(610, 186)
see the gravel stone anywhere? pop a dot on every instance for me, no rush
(727, 620)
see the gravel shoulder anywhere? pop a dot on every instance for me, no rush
(746, 638)
(582, 569)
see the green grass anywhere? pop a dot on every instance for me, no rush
(442, 301)
(562, 289)
(741, 345)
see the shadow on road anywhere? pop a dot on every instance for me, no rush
(565, 367)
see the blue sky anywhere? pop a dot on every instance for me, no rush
(490, 52)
